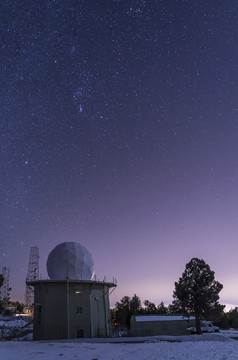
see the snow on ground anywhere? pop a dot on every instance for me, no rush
(209, 347)
(12, 322)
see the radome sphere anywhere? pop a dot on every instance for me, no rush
(70, 260)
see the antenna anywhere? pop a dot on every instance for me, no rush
(32, 274)
(4, 290)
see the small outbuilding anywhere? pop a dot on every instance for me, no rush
(151, 325)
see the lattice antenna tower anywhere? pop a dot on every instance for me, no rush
(4, 290)
(32, 274)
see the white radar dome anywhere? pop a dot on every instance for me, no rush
(70, 260)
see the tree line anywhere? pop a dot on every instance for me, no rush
(196, 294)
(6, 302)
(127, 307)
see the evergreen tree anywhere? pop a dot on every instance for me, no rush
(19, 307)
(135, 305)
(161, 308)
(196, 290)
(123, 311)
(126, 308)
(216, 314)
(175, 307)
(233, 317)
(150, 308)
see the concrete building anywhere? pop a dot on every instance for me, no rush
(71, 304)
(150, 325)
(68, 309)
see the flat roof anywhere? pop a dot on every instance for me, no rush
(142, 318)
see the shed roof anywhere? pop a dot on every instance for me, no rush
(142, 318)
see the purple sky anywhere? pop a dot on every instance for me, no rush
(119, 125)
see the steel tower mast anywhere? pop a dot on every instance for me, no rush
(4, 290)
(32, 274)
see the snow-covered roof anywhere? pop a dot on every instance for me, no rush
(141, 318)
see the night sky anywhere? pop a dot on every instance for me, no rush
(119, 128)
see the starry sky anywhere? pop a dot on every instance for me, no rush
(119, 125)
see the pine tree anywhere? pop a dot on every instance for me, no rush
(162, 309)
(126, 308)
(123, 313)
(196, 290)
(135, 305)
(150, 308)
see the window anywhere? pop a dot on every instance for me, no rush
(79, 334)
(79, 310)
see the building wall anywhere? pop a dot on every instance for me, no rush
(80, 312)
(100, 312)
(50, 315)
(86, 303)
(152, 328)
